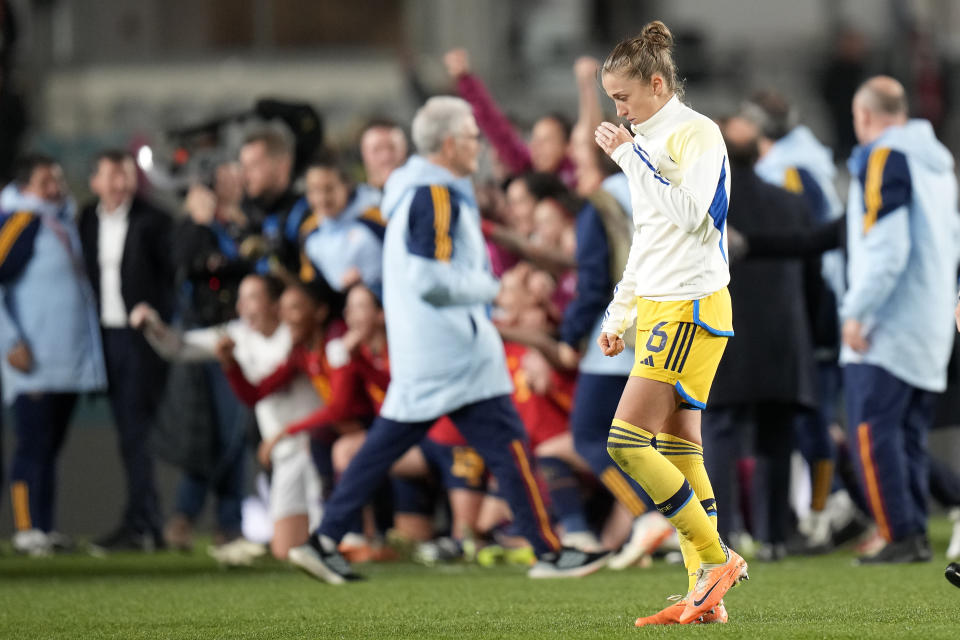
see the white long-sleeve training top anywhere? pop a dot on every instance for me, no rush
(679, 186)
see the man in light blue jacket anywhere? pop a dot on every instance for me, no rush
(446, 356)
(50, 337)
(903, 234)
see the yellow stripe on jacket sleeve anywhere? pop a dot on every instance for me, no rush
(11, 231)
(792, 181)
(373, 215)
(872, 197)
(441, 223)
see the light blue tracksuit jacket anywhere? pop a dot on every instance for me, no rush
(348, 241)
(50, 306)
(903, 238)
(445, 352)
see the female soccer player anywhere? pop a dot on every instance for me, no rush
(675, 282)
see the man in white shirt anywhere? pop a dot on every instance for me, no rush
(126, 245)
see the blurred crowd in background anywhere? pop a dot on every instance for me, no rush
(261, 224)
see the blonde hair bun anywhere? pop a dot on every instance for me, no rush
(656, 34)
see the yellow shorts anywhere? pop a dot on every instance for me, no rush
(680, 342)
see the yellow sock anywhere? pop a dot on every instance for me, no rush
(630, 447)
(688, 458)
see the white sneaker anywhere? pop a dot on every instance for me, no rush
(815, 528)
(567, 563)
(649, 532)
(237, 553)
(840, 510)
(583, 540)
(320, 559)
(953, 550)
(32, 542)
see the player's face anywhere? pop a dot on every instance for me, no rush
(254, 305)
(520, 205)
(326, 192)
(636, 99)
(548, 145)
(361, 313)
(383, 149)
(298, 312)
(549, 224)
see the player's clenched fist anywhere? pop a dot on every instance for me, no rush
(611, 344)
(224, 350)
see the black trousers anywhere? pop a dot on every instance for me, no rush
(765, 431)
(133, 393)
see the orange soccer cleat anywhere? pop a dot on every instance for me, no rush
(713, 581)
(671, 614)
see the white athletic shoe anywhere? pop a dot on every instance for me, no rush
(815, 528)
(649, 532)
(320, 559)
(567, 563)
(237, 553)
(840, 510)
(583, 540)
(953, 550)
(32, 542)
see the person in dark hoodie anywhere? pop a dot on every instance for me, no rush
(767, 375)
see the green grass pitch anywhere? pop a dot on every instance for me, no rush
(187, 596)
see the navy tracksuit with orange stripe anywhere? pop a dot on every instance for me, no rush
(889, 420)
(902, 226)
(446, 356)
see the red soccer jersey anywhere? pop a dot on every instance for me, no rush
(544, 415)
(340, 388)
(357, 391)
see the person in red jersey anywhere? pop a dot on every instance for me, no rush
(358, 377)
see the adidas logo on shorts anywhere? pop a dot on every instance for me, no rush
(648, 361)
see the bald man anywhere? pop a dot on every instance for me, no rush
(902, 241)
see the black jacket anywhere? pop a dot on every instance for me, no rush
(271, 220)
(146, 271)
(214, 276)
(770, 359)
(146, 275)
